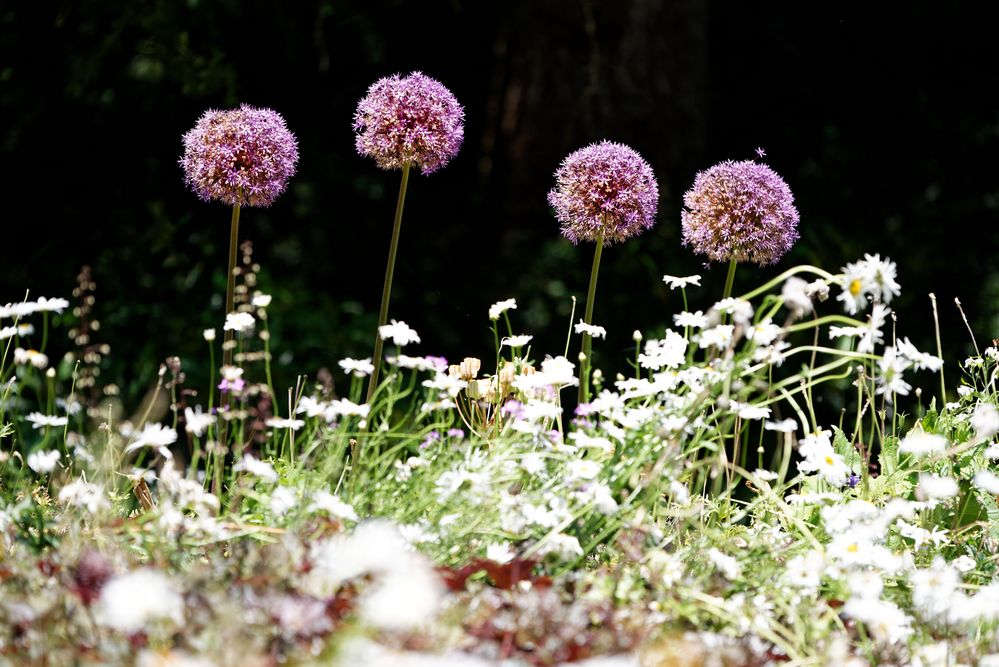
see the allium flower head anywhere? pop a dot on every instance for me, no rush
(742, 211)
(605, 189)
(412, 120)
(239, 156)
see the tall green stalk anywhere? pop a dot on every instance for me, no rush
(730, 278)
(227, 337)
(584, 367)
(387, 288)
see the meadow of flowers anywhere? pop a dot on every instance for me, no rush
(780, 477)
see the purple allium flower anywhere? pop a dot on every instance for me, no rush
(409, 120)
(605, 189)
(239, 156)
(742, 211)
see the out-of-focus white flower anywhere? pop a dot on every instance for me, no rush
(582, 469)
(129, 602)
(157, 436)
(172, 658)
(327, 502)
(80, 493)
(208, 334)
(920, 443)
(985, 421)
(667, 352)
(935, 487)
(782, 426)
(501, 307)
(987, 481)
(43, 462)
(696, 320)
(357, 367)
(282, 423)
(516, 341)
(727, 565)
(890, 379)
(400, 333)
(886, 623)
(34, 358)
(501, 552)
(592, 330)
(40, 421)
(282, 500)
(262, 469)
(197, 422)
(238, 322)
(261, 300)
(719, 336)
(921, 360)
(796, 297)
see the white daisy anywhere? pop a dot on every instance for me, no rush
(679, 283)
(239, 322)
(501, 307)
(400, 333)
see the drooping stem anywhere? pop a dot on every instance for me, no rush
(376, 358)
(730, 279)
(584, 367)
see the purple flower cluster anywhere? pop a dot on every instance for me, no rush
(742, 211)
(240, 156)
(605, 190)
(411, 120)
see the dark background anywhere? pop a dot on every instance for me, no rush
(886, 127)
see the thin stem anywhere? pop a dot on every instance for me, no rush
(387, 288)
(584, 368)
(730, 278)
(230, 285)
(936, 329)
(227, 344)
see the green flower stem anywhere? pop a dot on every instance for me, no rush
(804, 268)
(730, 278)
(584, 368)
(227, 337)
(387, 288)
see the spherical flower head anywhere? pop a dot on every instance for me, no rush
(412, 120)
(742, 211)
(240, 156)
(605, 190)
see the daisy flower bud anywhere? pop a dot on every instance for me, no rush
(241, 156)
(740, 211)
(411, 120)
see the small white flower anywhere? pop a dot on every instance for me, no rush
(532, 463)
(50, 305)
(359, 368)
(696, 320)
(209, 334)
(281, 423)
(400, 333)
(261, 300)
(35, 358)
(591, 329)
(921, 360)
(582, 469)
(753, 412)
(796, 297)
(890, 379)
(500, 553)
(197, 422)
(719, 336)
(515, 341)
(740, 310)
(239, 322)
(43, 462)
(282, 500)
(130, 601)
(964, 564)
(783, 426)
(920, 443)
(40, 421)
(985, 421)
(935, 487)
(84, 494)
(157, 436)
(501, 307)
(679, 283)
(987, 481)
(667, 352)
(332, 505)
(727, 565)
(262, 469)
